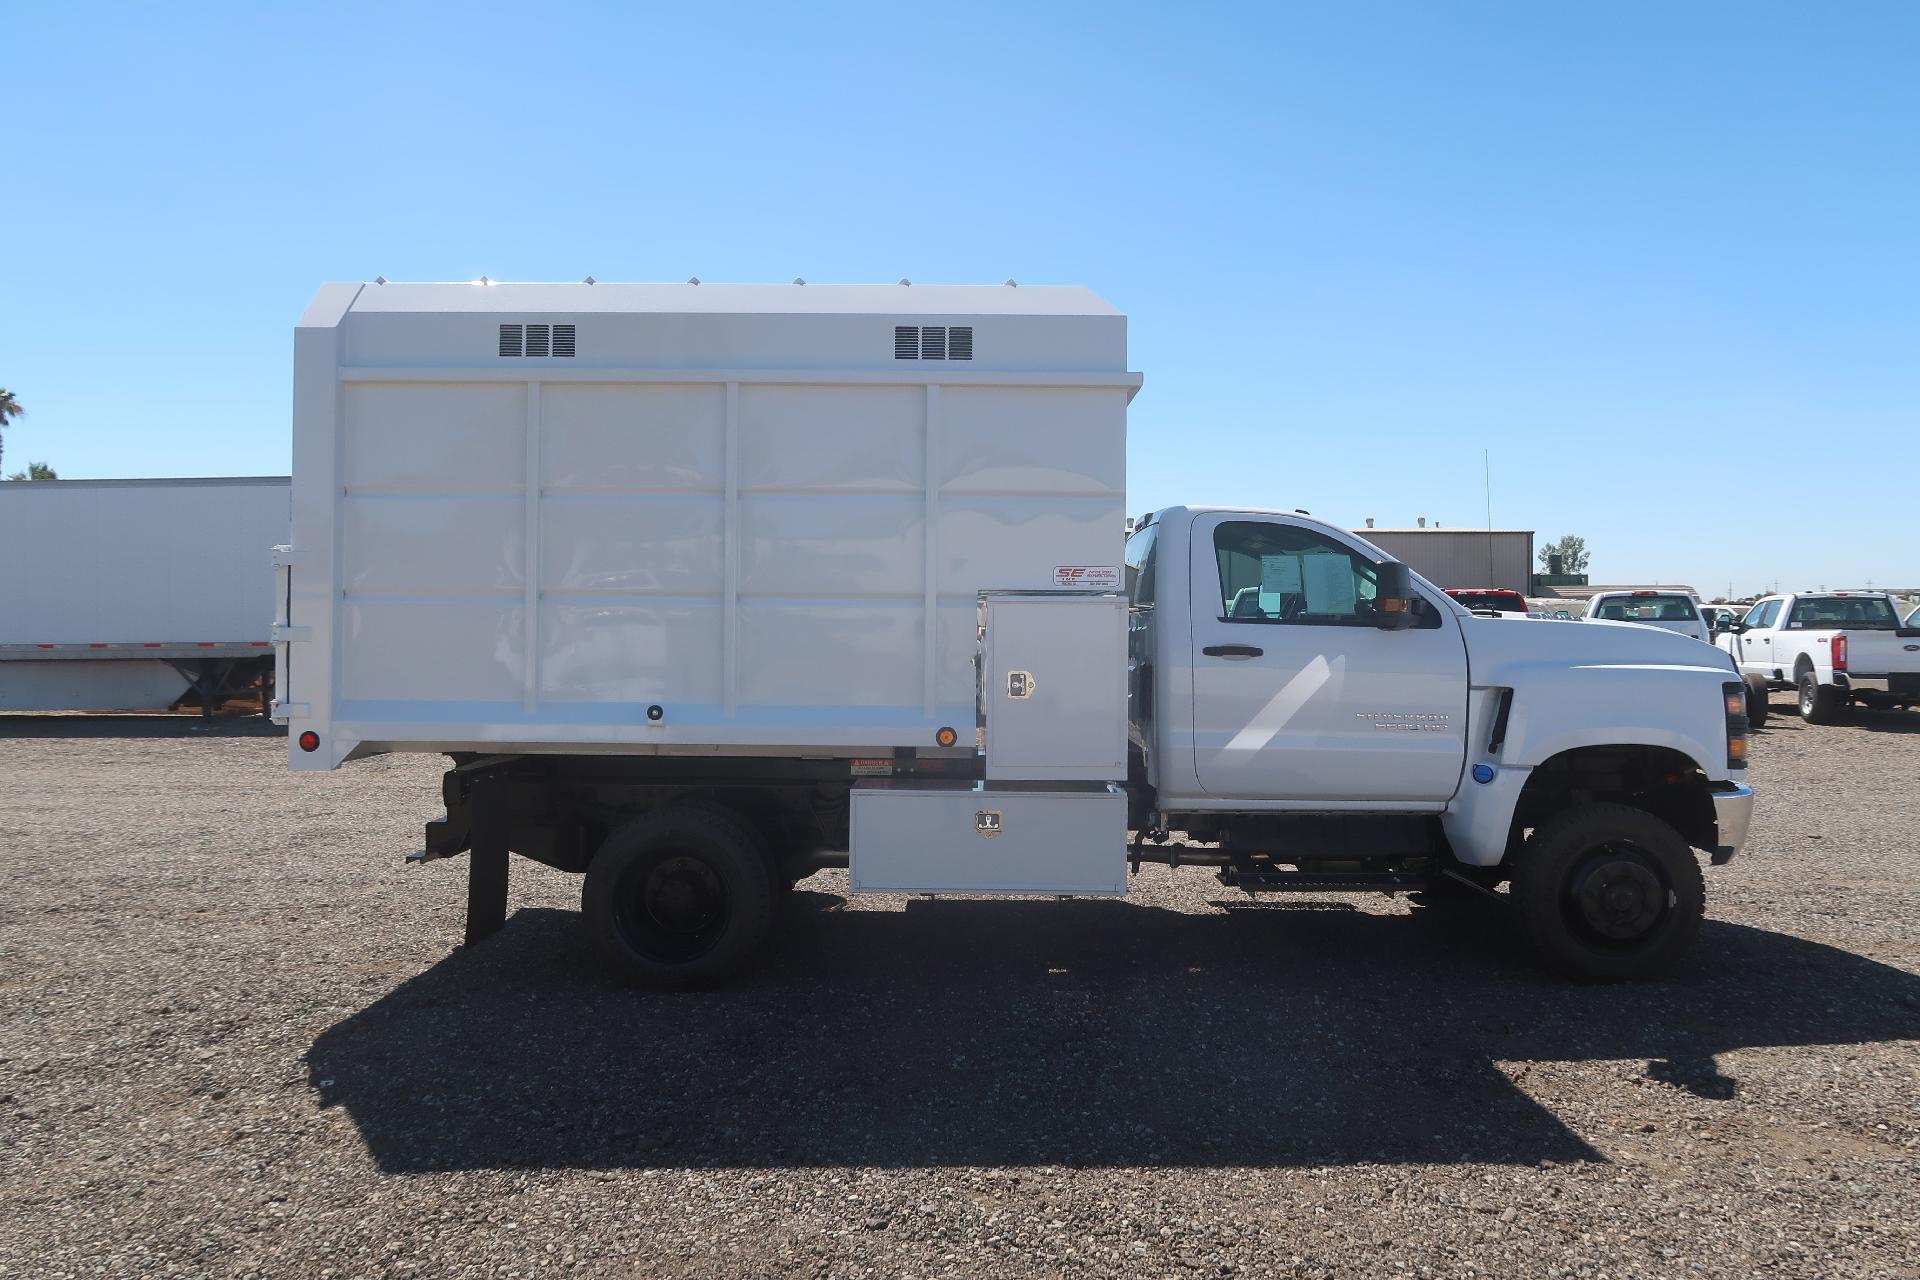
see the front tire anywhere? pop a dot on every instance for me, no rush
(1608, 893)
(679, 898)
(1819, 703)
(1757, 695)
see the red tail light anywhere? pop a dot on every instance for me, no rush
(309, 741)
(1840, 652)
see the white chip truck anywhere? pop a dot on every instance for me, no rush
(704, 587)
(132, 595)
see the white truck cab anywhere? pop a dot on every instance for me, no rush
(703, 588)
(1314, 710)
(1832, 648)
(1674, 611)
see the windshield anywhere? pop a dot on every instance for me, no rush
(1648, 608)
(1506, 601)
(1854, 613)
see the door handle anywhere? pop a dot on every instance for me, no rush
(1232, 651)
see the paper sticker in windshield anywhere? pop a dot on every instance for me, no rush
(1279, 575)
(1329, 582)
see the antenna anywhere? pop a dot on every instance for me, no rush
(1486, 476)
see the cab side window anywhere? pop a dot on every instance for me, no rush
(1281, 573)
(1763, 614)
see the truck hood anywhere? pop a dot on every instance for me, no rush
(1494, 644)
(1584, 684)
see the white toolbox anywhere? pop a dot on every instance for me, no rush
(1053, 686)
(960, 837)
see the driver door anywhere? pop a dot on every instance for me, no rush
(1297, 695)
(1755, 644)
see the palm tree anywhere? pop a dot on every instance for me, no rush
(35, 471)
(9, 410)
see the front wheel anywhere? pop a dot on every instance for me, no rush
(1819, 703)
(680, 897)
(1608, 893)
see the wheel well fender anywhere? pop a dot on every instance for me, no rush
(1664, 782)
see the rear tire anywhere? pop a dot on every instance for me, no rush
(1757, 695)
(679, 898)
(1608, 893)
(1819, 703)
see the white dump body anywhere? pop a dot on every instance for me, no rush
(110, 587)
(766, 511)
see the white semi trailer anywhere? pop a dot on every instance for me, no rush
(704, 587)
(127, 595)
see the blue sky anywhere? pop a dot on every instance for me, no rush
(1659, 259)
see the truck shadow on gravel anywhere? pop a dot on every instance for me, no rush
(1060, 1033)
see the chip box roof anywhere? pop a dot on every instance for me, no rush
(722, 299)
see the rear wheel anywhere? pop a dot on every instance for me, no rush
(1819, 703)
(1757, 694)
(680, 897)
(1608, 893)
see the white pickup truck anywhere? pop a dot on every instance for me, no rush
(1674, 611)
(703, 588)
(1831, 647)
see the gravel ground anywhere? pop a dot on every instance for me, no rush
(236, 1039)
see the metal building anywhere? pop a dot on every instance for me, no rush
(1462, 557)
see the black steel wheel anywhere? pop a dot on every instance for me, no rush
(1608, 893)
(1757, 695)
(679, 898)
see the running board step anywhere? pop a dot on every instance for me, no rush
(1324, 881)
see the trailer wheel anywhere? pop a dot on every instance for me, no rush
(1608, 893)
(1757, 694)
(679, 898)
(1819, 703)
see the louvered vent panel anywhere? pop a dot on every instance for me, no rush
(509, 339)
(563, 341)
(537, 339)
(960, 342)
(906, 342)
(933, 342)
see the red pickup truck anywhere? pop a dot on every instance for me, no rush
(1498, 599)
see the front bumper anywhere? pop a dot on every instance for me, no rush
(1733, 816)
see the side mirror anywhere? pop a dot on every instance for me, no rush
(1393, 603)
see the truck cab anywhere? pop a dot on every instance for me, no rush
(1322, 717)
